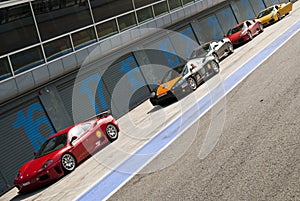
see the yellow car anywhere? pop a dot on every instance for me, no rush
(274, 13)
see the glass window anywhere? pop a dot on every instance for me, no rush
(84, 38)
(174, 4)
(106, 9)
(160, 8)
(107, 28)
(5, 71)
(56, 17)
(27, 59)
(126, 21)
(141, 3)
(57, 48)
(86, 126)
(144, 14)
(17, 29)
(187, 1)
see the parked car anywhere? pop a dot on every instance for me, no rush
(244, 31)
(218, 49)
(274, 13)
(63, 151)
(184, 79)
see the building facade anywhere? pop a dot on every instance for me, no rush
(45, 44)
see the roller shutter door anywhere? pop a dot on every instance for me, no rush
(23, 130)
(86, 103)
(125, 84)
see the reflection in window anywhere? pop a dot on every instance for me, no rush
(144, 14)
(17, 29)
(5, 71)
(57, 48)
(160, 8)
(174, 4)
(107, 28)
(126, 21)
(27, 59)
(106, 9)
(187, 1)
(141, 3)
(83, 38)
(56, 17)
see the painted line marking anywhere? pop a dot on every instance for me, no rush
(114, 180)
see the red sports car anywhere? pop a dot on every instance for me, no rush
(61, 153)
(244, 31)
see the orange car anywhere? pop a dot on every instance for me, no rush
(183, 79)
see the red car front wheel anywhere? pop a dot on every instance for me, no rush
(68, 162)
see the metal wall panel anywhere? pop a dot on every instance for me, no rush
(89, 94)
(23, 130)
(271, 2)
(184, 41)
(226, 18)
(126, 84)
(243, 10)
(210, 29)
(257, 5)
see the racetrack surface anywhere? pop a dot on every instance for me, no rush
(255, 156)
(258, 154)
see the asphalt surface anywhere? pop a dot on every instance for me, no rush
(258, 154)
(254, 158)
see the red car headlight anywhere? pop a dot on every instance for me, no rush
(46, 164)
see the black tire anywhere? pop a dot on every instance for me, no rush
(68, 162)
(216, 57)
(250, 35)
(192, 83)
(278, 16)
(215, 67)
(112, 132)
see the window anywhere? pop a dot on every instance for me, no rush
(56, 17)
(106, 9)
(5, 71)
(141, 3)
(85, 126)
(126, 21)
(144, 14)
(17, 29)
(27, 59)
(107, 28)
(83, 38)
(187, 1)
(174, 4)
(160, 8)
(57, 48)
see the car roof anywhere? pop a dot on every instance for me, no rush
(69, 128)
(238, 24)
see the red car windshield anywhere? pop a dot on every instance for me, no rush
(236, 29)
(52, 145)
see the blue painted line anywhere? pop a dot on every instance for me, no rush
(123, 172)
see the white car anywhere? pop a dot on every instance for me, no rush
(218, 49)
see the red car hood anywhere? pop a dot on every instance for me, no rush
(32, 167)
(235, 37)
